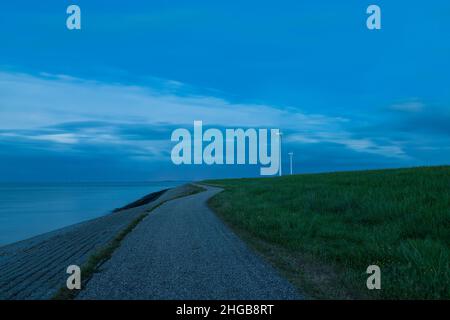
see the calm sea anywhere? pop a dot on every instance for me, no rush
(28, 210)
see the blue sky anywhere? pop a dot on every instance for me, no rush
(100, 103)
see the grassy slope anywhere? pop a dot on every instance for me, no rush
(396, 219)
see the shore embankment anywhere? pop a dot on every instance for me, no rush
(36, 268)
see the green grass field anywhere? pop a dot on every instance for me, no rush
(397, 219)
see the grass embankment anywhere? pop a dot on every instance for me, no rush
(396, 219)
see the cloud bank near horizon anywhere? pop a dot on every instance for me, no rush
(61, 115)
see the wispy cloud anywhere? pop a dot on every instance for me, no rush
(65, 138)
(410, 106)
(65, 110)
(31, 101)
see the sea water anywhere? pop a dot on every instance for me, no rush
(27, 210)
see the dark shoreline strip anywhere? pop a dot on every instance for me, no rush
(143, 201)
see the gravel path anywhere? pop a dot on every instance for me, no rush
(183, 251)
(36, 268)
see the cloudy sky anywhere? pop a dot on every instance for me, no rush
(101, 103)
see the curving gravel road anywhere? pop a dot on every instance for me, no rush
(183, 251)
